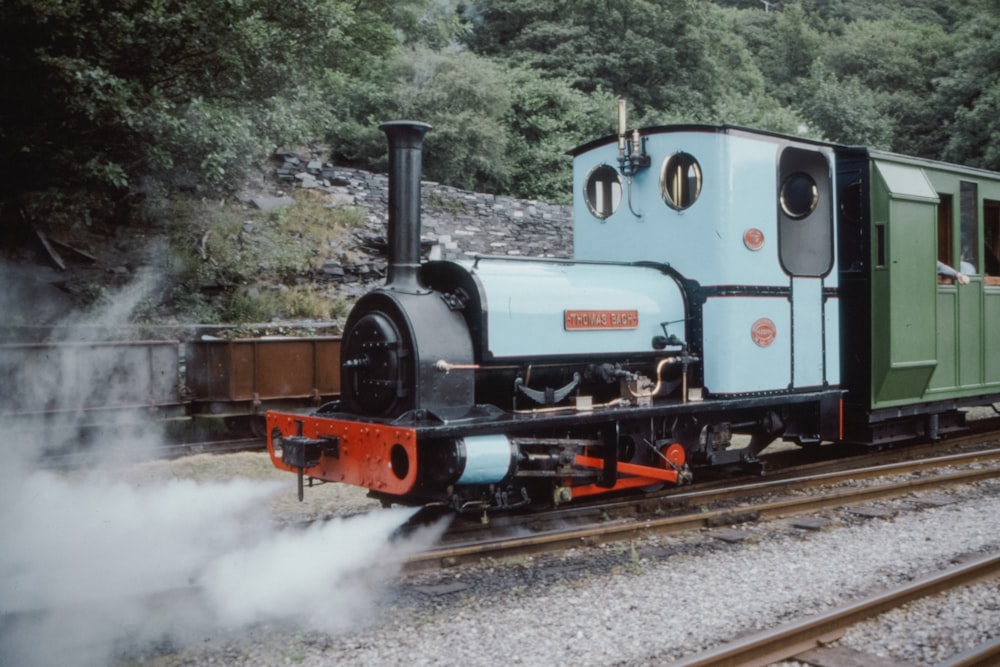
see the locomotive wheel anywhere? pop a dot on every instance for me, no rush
(672, 454)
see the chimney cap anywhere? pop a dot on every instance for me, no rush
(415, 124)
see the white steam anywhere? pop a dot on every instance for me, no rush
(75, 542)
(311, 575)
(52, 393)
(92, 564)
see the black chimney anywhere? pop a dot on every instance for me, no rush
(406, 139)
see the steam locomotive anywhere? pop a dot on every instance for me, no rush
(726, 282)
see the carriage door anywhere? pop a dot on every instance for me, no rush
(805, 249)
(904, 215)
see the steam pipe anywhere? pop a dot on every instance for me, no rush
(405, 152)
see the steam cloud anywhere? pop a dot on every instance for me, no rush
(91, 565)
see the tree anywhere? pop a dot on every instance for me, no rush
(547, 118)
(833, 12)
(497, 128)
(971, 91)
(634, 48)
(892, 63)
(678, 61)
(844, 111)
(98, 98)
(434, 24)
(784, 44)
(466, 99)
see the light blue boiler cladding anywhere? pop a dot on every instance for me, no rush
(556, 308)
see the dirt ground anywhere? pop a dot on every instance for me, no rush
(320, 501)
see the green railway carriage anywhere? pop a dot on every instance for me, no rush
(916, 346)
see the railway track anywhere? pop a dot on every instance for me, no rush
(718, 510)
(84, 456)
(704, 509)
(225, 446)
(787, 642)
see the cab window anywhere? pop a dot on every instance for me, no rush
(603, 191)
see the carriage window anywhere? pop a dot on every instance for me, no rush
(991, 239)
(968, 210)
(680, 181)
(603, 191)
(799, 195)
(945, 229)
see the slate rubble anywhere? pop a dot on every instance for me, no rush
(455, 223)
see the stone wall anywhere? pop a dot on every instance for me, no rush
(455, 223)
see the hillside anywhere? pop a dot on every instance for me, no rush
(51, 279)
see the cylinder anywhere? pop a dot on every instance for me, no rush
(488, 459)
(406, 139)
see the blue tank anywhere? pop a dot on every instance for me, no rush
(552, 309)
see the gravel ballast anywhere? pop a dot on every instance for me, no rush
(661, 598)
(639, 603)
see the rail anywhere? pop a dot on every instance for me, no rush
(689, 512)
(789, 640)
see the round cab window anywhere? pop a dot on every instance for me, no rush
(799, 195)
(680, 181)
(603, 191)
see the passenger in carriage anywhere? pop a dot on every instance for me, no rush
(948, 272)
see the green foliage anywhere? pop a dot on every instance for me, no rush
(255, 306)
(436, 24)
(884, 73)
(465, 98)
(241, 308)
(620, 48)
(103, 104)
(98, 98)
(841, 12)
(845, 112)
(547, 118)
(848, 70)
(194, 305)
(972, 89)
(619, 45)
(229, 264)
(784, 45)
(869, 73)
(357, 106)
